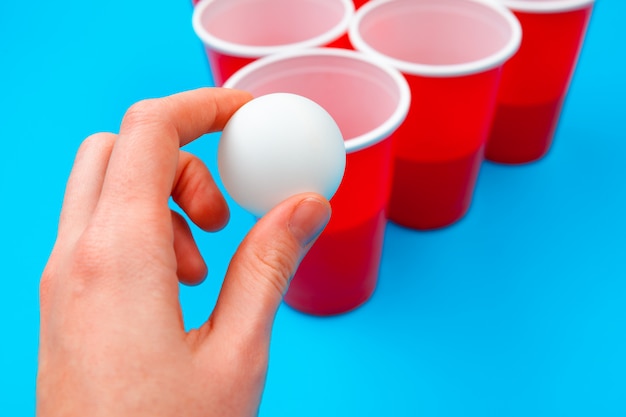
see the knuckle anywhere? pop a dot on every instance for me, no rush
(69, 272)
(46, 283)
(89, 259)
(97, 143)
(144, 113)
(275, 265)
(141, 109)
(185, 178)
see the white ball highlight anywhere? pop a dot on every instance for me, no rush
(279, 145)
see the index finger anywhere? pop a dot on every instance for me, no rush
(143, 162)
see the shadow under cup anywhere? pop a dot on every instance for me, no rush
(451, 53)
(368, 101)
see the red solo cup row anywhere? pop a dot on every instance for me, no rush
(357, 3)
(451, 53)
(237, 32)
(433, 87)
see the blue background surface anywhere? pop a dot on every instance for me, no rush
(518, 310)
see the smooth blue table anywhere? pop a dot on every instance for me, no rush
(518, 310)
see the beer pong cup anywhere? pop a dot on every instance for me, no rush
(536, 80)
(236, 32)
(368, 100)
(451, 52)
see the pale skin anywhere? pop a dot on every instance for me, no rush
(112, 339)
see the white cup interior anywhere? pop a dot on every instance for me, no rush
(437, 37)
(368, 100)
(254, 28)
(546, 6)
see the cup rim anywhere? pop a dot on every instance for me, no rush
(356, 143)
(449, 70)
(249, 51)
(551, 6)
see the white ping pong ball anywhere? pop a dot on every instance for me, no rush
(279, 145)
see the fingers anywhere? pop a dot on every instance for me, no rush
(143, 163)
(191, 268)
(259, 273)
(121, 185)
(197, 194)
(84, 185)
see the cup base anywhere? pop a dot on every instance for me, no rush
(340, 271)
(314, 310)
(432, 195)
(522, 134)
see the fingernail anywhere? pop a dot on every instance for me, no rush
(309, 219)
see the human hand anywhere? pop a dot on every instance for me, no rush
(112, 340)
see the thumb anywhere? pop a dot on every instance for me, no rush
(260, 271)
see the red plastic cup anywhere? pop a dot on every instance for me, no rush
(451, 52)
(536, 80)
(368, 100)
(236, 32)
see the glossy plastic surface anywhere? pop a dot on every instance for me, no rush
(341, 270)
(535, 83)
(236, 32)
(451, 52)
(439, 148)
(368, 101)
